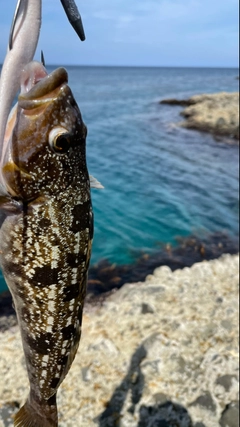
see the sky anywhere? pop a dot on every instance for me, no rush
(184, 33)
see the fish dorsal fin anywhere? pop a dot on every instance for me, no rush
(94, 183)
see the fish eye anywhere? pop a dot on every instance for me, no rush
(59, 140)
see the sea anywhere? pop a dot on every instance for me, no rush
(160, 181)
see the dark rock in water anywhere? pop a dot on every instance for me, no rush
(230, 415)
(6, 304)
(199, 425)
(189, 250)
(226, 381)
(7, 313)
(174, 101)
(104, 277)
(206, 401)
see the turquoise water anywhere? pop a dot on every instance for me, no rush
(160, 181)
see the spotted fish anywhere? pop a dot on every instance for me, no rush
(46, 233)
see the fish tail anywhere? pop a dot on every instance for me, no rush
(33, 414)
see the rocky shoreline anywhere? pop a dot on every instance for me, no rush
(216, 113)
(163, 352)
(105, 277)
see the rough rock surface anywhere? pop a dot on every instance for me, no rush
(217, 113)
(162, 353)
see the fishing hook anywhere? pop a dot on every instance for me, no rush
(43, 59)
(74, 17)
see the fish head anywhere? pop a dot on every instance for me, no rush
(45, 137)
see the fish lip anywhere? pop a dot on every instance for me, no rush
(38, 87)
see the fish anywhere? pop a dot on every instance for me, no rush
(46, 218)
(46, 232)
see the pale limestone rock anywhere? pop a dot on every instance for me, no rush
(136, 367)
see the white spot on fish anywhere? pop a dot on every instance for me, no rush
(44, 373)
(45, 358)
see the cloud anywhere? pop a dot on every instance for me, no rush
(138, 32)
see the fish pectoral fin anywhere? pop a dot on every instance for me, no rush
(10, 168)
(12, 177)
(10, 206)
(94, 183)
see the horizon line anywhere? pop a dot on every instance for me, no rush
(140, 66)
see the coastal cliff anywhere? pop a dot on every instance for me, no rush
(163, 352)
(216, 113)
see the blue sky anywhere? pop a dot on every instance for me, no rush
(137, 32)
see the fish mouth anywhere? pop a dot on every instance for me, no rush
(38, 88)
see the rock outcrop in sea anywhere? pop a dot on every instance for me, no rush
(163, 352)
(216, 113)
